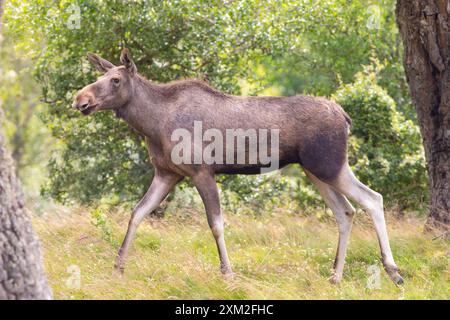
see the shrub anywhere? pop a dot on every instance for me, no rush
(385, 149)
(171, 40)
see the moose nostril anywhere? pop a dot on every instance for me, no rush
(84, 106)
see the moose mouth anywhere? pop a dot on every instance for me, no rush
(88, 109)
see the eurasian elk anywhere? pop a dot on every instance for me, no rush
(313, 132)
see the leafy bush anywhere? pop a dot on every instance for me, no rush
(226, 44)
(258, 193)
(168, 39)
(385, 149)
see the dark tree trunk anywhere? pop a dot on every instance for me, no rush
(21, 272)
(425, 29)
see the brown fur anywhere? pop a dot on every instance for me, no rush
(313, 131)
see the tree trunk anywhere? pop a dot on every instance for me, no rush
(21, 272)
(425, 28)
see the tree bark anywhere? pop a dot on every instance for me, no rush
(425, 29)
(21, 271)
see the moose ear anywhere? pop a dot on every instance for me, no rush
(127, 61)
(100, 64)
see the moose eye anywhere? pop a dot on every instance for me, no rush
(115, 80)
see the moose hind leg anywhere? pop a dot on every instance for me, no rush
(161, 185)
(343, 212)
(372, 202)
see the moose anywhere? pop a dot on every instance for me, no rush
(313, 132)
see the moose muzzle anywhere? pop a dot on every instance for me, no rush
(84, 102)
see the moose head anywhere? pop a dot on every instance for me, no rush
(112, 90)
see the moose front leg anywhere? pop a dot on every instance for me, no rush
(207, 188)
(161, 185)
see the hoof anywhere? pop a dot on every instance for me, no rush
(398, 280)
(117, 274)
(227, 273)
(229, 276)
(118, 270)
(335, 279)
(394, 275)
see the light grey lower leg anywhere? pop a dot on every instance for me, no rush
(159, 188)
(343, 212)
(207, 188)
(372, 202)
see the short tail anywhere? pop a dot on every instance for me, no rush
(347, 118)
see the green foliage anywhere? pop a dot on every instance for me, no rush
(262, 194)
(28, 139)
(337, 38)
(99, 220)
(385, 149)
(213, 40)
(275, 46)
(259, 193)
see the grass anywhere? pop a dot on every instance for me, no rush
(275, 256)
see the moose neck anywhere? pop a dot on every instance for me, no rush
(144, 112)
